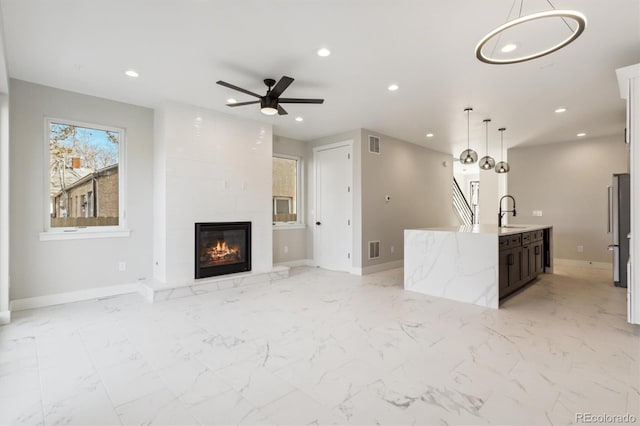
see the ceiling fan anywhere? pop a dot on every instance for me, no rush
(270, 103)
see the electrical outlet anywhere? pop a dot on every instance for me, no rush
(122, 266)
(285, 249)
(580, 249)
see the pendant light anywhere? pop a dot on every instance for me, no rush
(468, 156)
(502, 166)
(579, 21)
(487, 162)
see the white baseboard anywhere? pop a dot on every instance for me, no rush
(294, 263)
(73, 296)
(5, 317)
(382, 267)
(583, 263)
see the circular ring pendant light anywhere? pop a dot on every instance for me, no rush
(468, 156)
(487, 162)
(502, 166)
(578, 17)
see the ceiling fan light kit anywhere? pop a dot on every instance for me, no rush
(468, 156)
(270, 103)
(579, 19)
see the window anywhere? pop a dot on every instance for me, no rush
(85, 178)
(286, 190)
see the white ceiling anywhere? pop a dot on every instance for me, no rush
(182, 47)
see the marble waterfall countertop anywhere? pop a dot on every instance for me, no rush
(459, 263)
(486, 229)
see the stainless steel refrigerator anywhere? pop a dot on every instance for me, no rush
(619, 226)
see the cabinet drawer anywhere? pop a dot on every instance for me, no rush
(503, 242)
(515, 240)
(527, 237)
(537, 235)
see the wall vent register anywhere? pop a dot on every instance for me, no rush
(374, 144)
(374, 249)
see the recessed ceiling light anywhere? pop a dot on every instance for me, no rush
(299, 119)
(131, 73)
(508, 48)
(429, 135)
(581, 135)
(231, 101)
(560, 110)
(324, 52)
(393, 87)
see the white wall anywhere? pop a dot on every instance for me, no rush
(4, 209)
(4, 182)
(49, 267)
(293, 239)
(209, 167)
(568, 182)
(420, 187)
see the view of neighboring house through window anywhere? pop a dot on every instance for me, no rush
(84, 178)
(286, 175)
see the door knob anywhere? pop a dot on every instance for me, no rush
(318, 223)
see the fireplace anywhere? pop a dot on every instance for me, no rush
(222, 248)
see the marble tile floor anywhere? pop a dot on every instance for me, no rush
(323, 347)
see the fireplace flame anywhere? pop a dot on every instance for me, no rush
(221, 253)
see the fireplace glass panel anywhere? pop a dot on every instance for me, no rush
(222, 248)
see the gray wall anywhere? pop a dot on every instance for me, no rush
(47, 267)
(568, 182)
(420, 190)
(294, 239)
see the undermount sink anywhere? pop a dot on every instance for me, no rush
(513, 226)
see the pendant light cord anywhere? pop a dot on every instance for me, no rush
(513, 5)
(563, 20)
(468, 129)
(486, 145)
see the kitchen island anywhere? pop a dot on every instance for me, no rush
(478, 264)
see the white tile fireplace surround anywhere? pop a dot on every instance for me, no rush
(326, 348)
(208, 167)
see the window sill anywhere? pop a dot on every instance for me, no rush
(288, 226)
(84, 234)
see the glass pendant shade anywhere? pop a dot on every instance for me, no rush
(487, 163)
(502, 167)
(468, 156)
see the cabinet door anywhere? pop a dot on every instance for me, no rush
(515, 268)
(527, 264)
(538, 258)
(503, 272)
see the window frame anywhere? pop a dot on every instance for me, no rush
(299, 223)
(85, 232)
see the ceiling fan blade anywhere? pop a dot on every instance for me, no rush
(239, 89)
(300, 101)
(243, 103)
(282, 111)
(280, 86)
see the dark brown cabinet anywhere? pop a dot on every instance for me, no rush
(521, 259)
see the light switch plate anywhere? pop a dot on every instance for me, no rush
(537, 212)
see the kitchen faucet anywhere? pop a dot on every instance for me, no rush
(501, 212)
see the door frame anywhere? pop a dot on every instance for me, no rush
(349, 143)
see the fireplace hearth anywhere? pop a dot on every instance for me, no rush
(222, 248)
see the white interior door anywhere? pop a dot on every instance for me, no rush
(333, 221)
